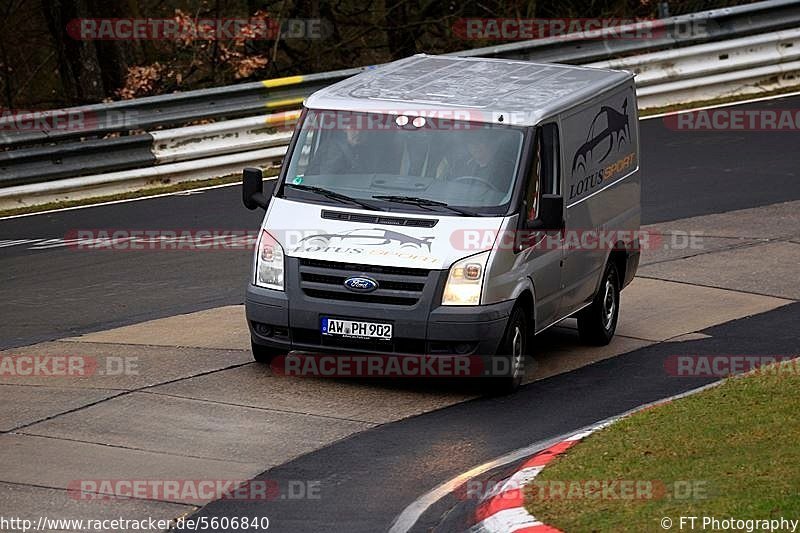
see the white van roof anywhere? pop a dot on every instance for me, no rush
(477, 89)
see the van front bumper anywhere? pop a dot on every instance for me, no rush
(290, 321)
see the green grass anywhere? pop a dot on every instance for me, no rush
(736, 445)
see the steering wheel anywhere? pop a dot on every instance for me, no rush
(483, 181)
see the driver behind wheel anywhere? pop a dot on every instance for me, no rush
(486, 160)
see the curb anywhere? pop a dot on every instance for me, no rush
(503, 510)
(514, 517)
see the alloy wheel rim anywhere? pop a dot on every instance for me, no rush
(609, 304)
(517, 357)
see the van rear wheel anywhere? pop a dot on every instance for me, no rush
(511, 352)
(598, 322)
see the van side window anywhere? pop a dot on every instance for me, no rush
(531, 206)
(545, 177)
(550, 173)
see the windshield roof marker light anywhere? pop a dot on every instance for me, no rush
(401, 121)
(418, 122)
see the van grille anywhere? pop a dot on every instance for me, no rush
(396, 285)
(380, 219)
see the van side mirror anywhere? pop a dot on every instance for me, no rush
(551, 214)
(253, 194)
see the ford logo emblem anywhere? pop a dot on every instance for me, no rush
(361, 284)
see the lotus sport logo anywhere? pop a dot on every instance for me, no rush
(609, 128)
(361, 284)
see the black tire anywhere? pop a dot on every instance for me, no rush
(513, 349)
(598, 322)
(264, 354)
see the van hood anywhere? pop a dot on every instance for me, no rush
(377, 237)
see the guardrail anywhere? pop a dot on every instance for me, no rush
(229, 136)
(179, 109)
(44, 166)
(748, 65)
(673, 32)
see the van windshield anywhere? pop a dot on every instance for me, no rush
(386, 160)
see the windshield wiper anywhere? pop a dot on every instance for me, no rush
(333, 195)
(424, 202)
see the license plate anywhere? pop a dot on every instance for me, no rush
(356, 329)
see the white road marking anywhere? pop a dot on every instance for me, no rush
(17, 242)
(126, 200)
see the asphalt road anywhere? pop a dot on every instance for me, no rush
(367, 479)
(56, 292)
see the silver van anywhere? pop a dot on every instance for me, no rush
(449, 207)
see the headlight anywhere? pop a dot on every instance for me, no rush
(269, 263)
(465, 280)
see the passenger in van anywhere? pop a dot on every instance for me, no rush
(415, 155)
(432, 154)
(350, 153)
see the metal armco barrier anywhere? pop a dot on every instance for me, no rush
(748, 65)
(674, 32)
(229, 136)
(179, 109)
(32, 165)
(700, 56)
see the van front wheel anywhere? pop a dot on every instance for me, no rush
(598, 321)
(511, 354)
